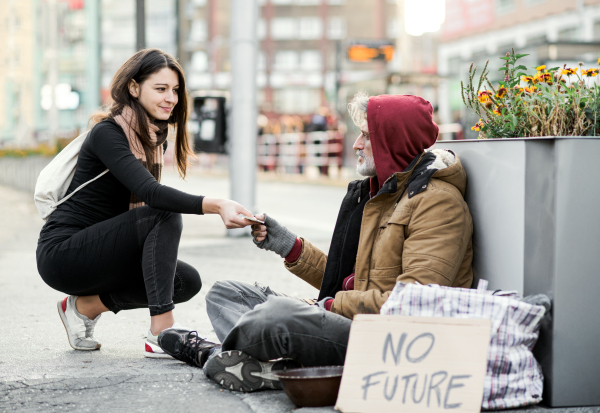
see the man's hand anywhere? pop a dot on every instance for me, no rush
(272, 236)
(259, 232)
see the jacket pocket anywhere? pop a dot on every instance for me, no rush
(383, 279)
(389, 243)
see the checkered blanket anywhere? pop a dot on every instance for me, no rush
(513, 377)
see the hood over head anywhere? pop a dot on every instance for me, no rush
(401, 127)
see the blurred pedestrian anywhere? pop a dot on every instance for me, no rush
(113, 245)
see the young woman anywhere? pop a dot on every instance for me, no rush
(113, 245)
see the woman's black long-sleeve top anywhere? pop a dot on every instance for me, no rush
(106, 147)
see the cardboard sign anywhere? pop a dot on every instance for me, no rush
(414, 364)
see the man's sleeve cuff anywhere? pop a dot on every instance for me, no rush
(328, 304)
(295, 252)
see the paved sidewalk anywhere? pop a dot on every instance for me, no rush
(40, 372)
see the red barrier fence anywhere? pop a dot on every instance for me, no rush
(291, 152)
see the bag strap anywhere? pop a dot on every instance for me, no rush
(78, 188)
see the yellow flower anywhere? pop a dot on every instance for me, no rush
(527, 79)
(531, 89)
(501, 93)
(540, 67)
(568, 71)
(599, 60)
(538, 78)
(484, 96)
(592, 72)
(478, 125)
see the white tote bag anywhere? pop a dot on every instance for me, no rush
(55, 178)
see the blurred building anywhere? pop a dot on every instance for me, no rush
(303, 49)
(118, 33)
(552, 32)
(93, 38)
(16, 69)
(35, 61)
(303, 57)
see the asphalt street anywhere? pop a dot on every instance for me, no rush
(40, 372)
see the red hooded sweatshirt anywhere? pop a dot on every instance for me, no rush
(400, 128)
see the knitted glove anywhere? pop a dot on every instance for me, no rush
(279, 239)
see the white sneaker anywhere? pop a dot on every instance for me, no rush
(152, 349)
(80, 329)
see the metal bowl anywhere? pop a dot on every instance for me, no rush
(312, 386)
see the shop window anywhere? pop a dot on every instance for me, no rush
(286, 60)
(505, 6)
(310, 28)
(311, 60)
(336, 27)
(198, 31)
(283, 28)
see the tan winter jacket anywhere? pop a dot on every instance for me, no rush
(425, 238)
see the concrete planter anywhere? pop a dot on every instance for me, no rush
(535, 205)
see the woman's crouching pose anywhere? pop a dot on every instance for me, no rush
(113, 245)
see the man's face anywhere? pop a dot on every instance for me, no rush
(365, 165)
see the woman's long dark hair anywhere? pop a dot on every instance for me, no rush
(139, 67)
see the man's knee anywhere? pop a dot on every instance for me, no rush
(221, 293)
(275, 313)
(220, 290)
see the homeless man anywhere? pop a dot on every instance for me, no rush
(406, 222)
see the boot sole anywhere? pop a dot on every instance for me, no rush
(237, 371)
(64, 321)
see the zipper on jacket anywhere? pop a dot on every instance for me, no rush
(398, 201)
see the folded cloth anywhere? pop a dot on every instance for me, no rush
(513, 376)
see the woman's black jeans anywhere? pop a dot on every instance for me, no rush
(129, 260)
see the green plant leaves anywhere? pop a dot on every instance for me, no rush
(547, 107)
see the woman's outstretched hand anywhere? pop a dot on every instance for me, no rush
(228, 210)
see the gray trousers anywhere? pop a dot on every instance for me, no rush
(268, 325)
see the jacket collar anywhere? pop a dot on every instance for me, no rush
(417, 175)
(399, 179)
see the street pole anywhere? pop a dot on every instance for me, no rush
(242, 127)
(140, 24)
(53, 70)
(338, 76)
(11, 51)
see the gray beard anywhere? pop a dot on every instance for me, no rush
(367, 168)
